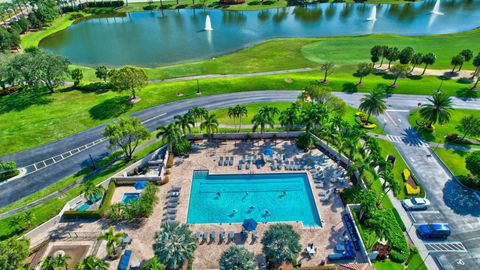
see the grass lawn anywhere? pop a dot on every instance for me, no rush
(32, 39)
(32, 119)
(416, 262)
(454, 159)
(388, 265)
(443, 130)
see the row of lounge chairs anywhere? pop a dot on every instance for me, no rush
(225, 161)
(171, 205)
(205, 236)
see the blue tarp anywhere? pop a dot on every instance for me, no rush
(140, 185)
(249, 224)
(268, 151)
(125, 260)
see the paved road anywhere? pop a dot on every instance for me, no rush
(451, 202)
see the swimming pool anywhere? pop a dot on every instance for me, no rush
(130, 197)
(231, 198)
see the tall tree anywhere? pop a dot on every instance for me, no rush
(417, 59)
(366, 199)
(198, 113)
(373, 103)
(241, 112)
(128, 79)
(376, 52)
(91, 263)
(476, 64)
(265, 117)
(399, 71)
(174, 245)
(170, 134)
(467, 56)
(13, 252)
(327, 69)
(289, 117)
(406, 55)
(281, 244)
(77, 76)
(363, 69)
(469, 125)
(232, 113)
(428, 59)
(126, 133)
(438, 111)
(114, 240)
(53, 69)
(237, 258)
(472, 162)
(313, 116)
(101, 72)
(184, 122)
(392, 55)
(457, 60)
(210, 124)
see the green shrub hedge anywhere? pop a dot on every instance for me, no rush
(104, 4)
(107, 198)
(399, 219)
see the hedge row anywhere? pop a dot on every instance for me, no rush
(396, 239)
(8, 174)
(104, 4)
(107, 198)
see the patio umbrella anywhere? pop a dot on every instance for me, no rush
(268, 151)
(249, 224)
(140, 185)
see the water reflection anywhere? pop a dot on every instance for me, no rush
(143, 38)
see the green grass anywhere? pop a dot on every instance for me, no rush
(441, 131)
(32, 39)
(52, 207)
(454, 159)
(387, 265)
(31, 119)
(416, 262)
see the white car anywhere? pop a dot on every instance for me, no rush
(416, 204)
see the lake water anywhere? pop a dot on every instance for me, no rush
(156, 38)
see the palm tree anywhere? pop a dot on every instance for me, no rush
(237, 258)
(114, 240)
(438, 111)
(242, 112)
(373, 103)
(289, 117)
(48, 263)
(153, 264)
(399, 71)
(281, 244)
(174, 245)
(184, 122)
(417, 59)
(367, 199)
(92, 192)
(232, 113)
(457, 60)
(60, 261)
(210, 124)
(363, 69)
(91, 263)
(265, 117)
(313, 116)
(198, 113)
(428, 59)
(170, 134)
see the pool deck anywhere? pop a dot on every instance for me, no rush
(205, 157)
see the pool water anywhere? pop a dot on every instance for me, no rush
(83, 207)
(130, 197)
(231, 198)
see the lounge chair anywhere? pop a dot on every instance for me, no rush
(126, 240)
(213, 235)
(254, 236)
(247, 165)
(230, 162)
(175, 189)
(231, 236)
(279, 164)
(171, 211)
(220, 161)
(225, 161)
(199, 236)
(240, 165)
(171, 216)
(172, 205)
(222, 236)
(320, 185)
(272, 166)
(205, 236)
(174, 194)
(173, 200)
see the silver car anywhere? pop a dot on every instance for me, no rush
(416, 204)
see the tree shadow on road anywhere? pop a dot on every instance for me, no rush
(111, 108)
(459, 199)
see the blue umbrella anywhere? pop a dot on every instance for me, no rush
(268, 151)
(249, 224)
(140, 185)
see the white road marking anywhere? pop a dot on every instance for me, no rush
(391, 110)
(153, 118)
(391, 119)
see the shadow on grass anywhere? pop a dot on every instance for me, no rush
(268, 2)
(467, 93)
(110, 108)
(415, 77)
(23, 99)
(349, 87)
(464, 80)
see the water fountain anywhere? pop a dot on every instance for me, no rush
(208, 24)
(436, 8)
(373, 14)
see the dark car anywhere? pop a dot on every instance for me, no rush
(434, 230)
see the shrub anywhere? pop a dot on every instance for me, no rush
(411, 190)
(107, 198)
(348, 195)
(470, 181)
(77, 16)
(399, 219)
(452, 137)
(304, 142)
(105, 4)
(138, 209)
(473, 163)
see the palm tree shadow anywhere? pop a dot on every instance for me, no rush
(462, 201)
(467, 93)
(23, 99)
(110, 108)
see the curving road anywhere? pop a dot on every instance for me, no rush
(47, 164)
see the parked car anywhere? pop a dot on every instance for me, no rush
(416, 204)
(434, 230)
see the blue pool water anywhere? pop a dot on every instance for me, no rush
(286, 196)
(83, 207)
(130, 197)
